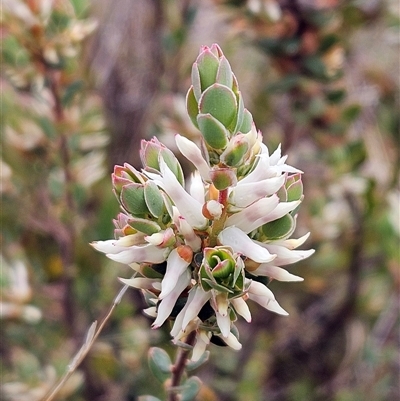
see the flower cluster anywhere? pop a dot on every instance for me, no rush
(202, 250)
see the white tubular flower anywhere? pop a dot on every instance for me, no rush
(275, 272)
(244, 194)
(286, 256)
(224, 324)
(191, 239)
(127, 255)
(233, 342)
(241, 243)
(196, 187)
(241, 308)
(193, 154)
(202, 340)
(168, 302)
(197, 298)
(263, 296)
(188, 207)
(142, 283)
(177, 263)
(253, 213)
(116, 246)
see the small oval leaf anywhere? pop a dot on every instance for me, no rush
(145, 226)
(219, 101)
(280, 228)
(132, 199)
(160, 364)
(214, 133)
(191, 388)
(153, 198)
(192, 107)
(192, 365)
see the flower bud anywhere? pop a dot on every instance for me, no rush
(150, 154)
(222, 271)
(124, 175)
(214, 102)
(223, 178)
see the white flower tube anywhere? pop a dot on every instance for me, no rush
(241, 243)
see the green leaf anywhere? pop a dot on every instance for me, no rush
(224, 74)
(153, 198)
(214, 133)
(240, 113)
(216, 286)
(279, 228)
(160, 364)
(191, 388)
(295, 189)
(235, 156)
(328, 41)
(315, 66)
(247, 122)
(71, 91)
(220, 102)
(207, 64)
(132, 199)
(350, 113)
(145, 226)
(192, 107)
(192, 365)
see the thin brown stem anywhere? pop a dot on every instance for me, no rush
(67, 248)
(179, 367)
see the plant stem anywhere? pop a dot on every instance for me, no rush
(66, 246)
(218, 225)
(179, 366)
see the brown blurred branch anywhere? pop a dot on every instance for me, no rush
(127, 59)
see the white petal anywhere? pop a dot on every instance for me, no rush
(276, 156)
(191, 239)
(202, 340)
(270, 304)
(188, 207)
(293, 243)
(167, 304)
(260, 172)
(193, 154)
(107, 246)
(259, 289)
(275, 272)
(146, 253)
(175, 267)
(286, 256)
(245, 194)
(139, 282)
(233, 342)
(224, 324)
(221, 303)
(281, 209)
(241, 243)
(200, 297)
(196, 187)
(246, 218)
(241, 308)
(151, 311)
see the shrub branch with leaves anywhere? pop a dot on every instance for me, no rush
(201, 253)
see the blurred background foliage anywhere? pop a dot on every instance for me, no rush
(84, 81)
